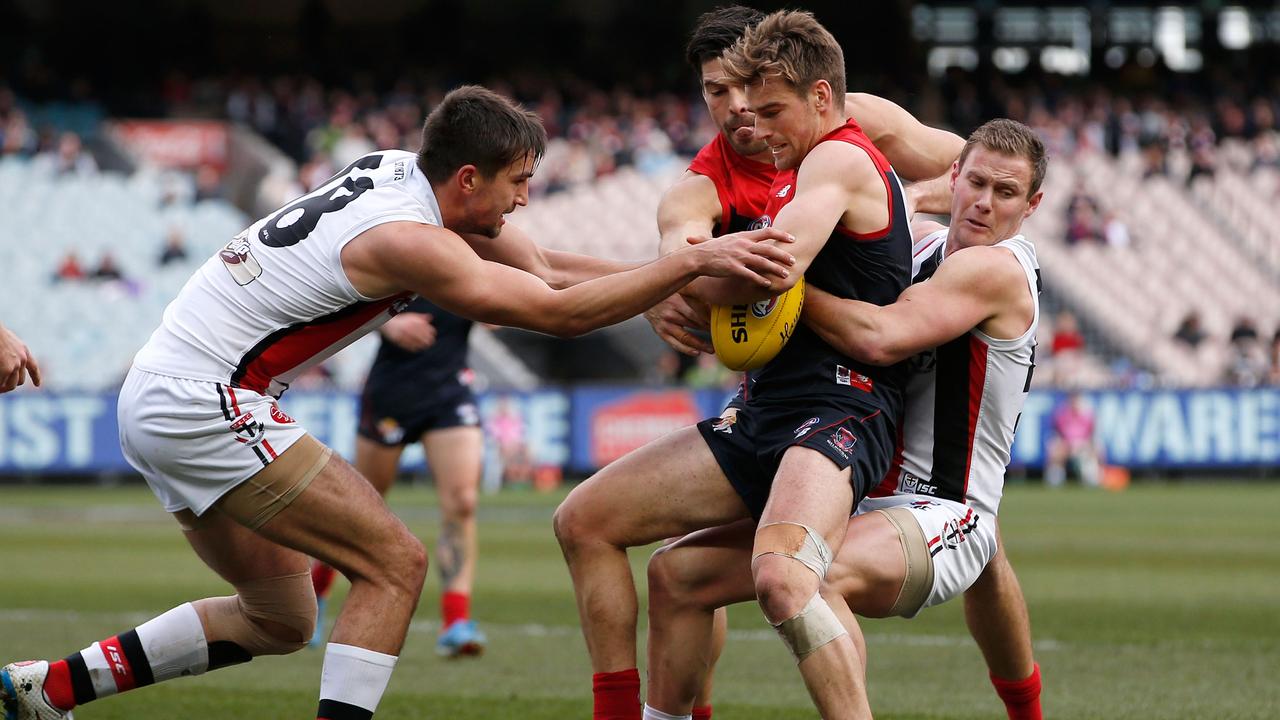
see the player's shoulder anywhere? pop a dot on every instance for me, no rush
(989, 269)
(846, 163)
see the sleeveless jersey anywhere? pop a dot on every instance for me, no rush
(742, 184)
(873, 267)
(963, 400)
(437, 365)
(276, 301)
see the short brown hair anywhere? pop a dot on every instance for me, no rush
(717, 30)
(1010, 137)
(793, 45)
(476, 126)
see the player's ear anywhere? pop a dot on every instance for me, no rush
(1032, 204)
(468, 178)
(822, 95)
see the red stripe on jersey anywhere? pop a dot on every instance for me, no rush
(889, 483)
(290, 347)
(270, 450)
(977, 383)
(121, 671)
(235, 406)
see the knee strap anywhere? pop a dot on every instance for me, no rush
(814, 626)
(918, 583)
(254, 618)
(796, 541)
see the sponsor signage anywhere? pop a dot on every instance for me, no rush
(583, 428)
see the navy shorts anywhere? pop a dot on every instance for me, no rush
(749, 444)
(400, 415)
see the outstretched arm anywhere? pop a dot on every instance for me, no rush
(558, 269)
(916, 151)
(440, 266)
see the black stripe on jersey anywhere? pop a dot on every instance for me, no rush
(81, 683)
(261, 456)
(222, 398)
(338, 710)
(137, 657)
(951, 419)
(267, 342)
(1039, 282)
(929, 266)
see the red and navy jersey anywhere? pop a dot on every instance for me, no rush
(424, 371)
(873, 267)
(741, 183)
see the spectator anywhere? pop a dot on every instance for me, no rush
(69, 268)
(107, 269)
(1244, 332)
(1189, 332)
(69, 158)
(506, 428)
(1066, 350)
(175, 247)
(1273, 376)
(208, 184)
(1073, 445)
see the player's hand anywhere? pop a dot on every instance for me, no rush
(746, 255)
(15, 362)
(411, 331)
(672, 319)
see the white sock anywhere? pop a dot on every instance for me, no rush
(355, 676)
(175, 643)
(651, 714)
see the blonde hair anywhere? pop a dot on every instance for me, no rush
(792, 45)
(1010, 137)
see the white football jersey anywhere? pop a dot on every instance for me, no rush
(963, 400)
(276, 301)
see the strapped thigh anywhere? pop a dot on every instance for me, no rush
(263, 496)
(915, 550)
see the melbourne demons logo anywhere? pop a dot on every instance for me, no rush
(842, 441)
(250, 430)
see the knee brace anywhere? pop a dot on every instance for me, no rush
(274, 616)
(796, 541)
(811, 628)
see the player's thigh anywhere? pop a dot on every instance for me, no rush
(341, 519)
(236, 553)
(711, 567)
(669, 487)
(455, 455)
(809, 489)
(869, 566)
(378, 463)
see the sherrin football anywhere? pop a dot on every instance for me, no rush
(747, 336)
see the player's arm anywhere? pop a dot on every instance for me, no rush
(916, 151)
(437, 264)
(971, 287)
(15, 362)
(837, 183)
(932, 197)
(556, 268)
(689, 208)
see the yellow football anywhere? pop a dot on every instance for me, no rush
(747, 336)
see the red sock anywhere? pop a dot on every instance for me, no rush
(454, 606)
(702, 712)
(322, 578)
(617, 695)
(57, 686)
(1021, 697)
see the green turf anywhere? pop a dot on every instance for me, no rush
(1159, 602)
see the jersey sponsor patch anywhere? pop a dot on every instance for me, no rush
(842, 441)
(280, 416)
(726, 422)
(390, 431)
(912, 485)
(844, 376)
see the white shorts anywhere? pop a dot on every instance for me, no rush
(195, 440)
(961, 541)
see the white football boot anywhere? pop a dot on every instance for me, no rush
(22, 693)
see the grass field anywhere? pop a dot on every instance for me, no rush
(1159, 602)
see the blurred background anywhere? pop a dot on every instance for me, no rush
(136, 138)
